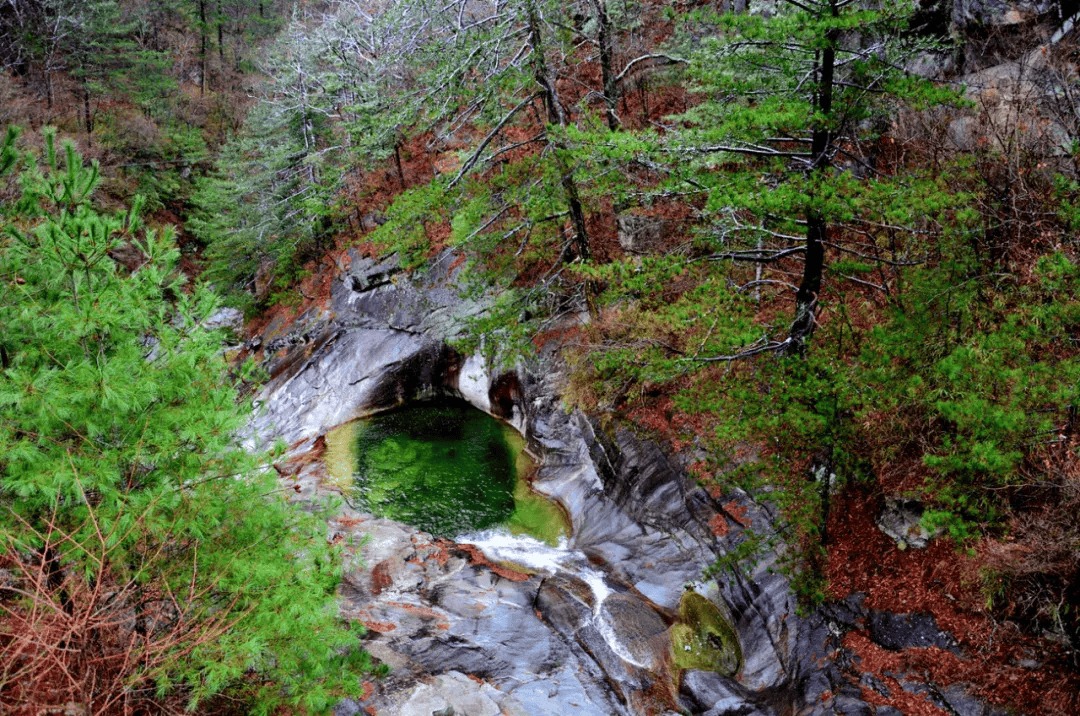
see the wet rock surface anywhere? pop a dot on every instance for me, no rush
(379, 343)
(587, 631)
(900, 631)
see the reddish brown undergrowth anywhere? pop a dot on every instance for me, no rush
(1003, 665)
(89, 641)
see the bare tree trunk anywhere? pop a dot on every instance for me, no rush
(557, 115)
(87, 119)
(397, 160)
(202, 47)
(607, 53)
(758, 268)
(220, 39)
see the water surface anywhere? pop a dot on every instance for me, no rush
(445, 468)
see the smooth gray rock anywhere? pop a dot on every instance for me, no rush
(707, 691)
(852, 706)
(565, 603)
(639, 630)
(374, 293)
(887, 711)
(543, 642)
(449, 694)
(231, 319)
(346, 707)
(560, 694)
(344, 378)
(962, 703)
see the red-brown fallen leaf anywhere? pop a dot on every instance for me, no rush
(738, 513)
(943, 581)
(379, 627)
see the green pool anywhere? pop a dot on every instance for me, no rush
(445, 468)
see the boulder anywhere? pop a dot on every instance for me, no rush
(901, 520)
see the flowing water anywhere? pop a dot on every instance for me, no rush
(537, 556)
(456, 472)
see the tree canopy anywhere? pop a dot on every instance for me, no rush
(134, 520)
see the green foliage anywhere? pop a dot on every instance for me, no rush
(267, 203)
(118, 428)
(778, 157)
(980, 357)
(405, 232)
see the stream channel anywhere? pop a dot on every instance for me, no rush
(578, 590)
(455, 472)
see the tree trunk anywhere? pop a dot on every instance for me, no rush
(577, 214)
(607, 53)
(202, 47)
(220, 38)
(87, 119)
(557, 115)
(802, 327)
(54, 578)
(397, 160)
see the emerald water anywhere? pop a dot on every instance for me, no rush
(445, 468)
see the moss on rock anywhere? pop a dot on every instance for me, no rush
(703, 638)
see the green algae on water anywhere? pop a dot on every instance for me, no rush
(445, 468)
(534, 514)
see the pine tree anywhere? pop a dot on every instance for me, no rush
(271, 198)
(798, 100)
(121, 481)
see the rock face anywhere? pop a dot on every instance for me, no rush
(997, 13)
(493, 624)
(380, 343)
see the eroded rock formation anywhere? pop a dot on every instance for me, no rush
(582, 629)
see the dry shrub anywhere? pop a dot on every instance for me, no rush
(1005, 147)
(93, 640)
(1034, 574)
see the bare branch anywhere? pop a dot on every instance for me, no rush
(756, 255)
(762, 346)
(491, 135)
(765, 282)
(669, 60)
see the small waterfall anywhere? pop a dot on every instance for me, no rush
(501, 546)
